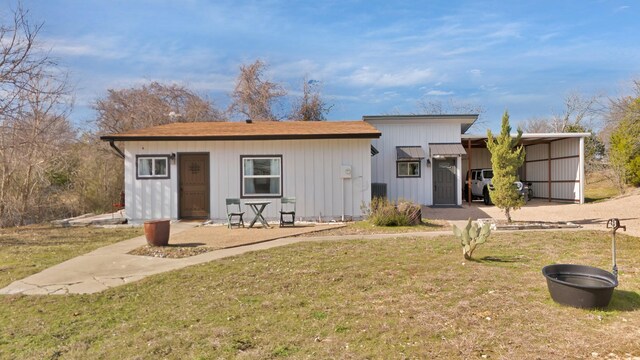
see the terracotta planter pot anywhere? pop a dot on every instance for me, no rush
(157, 232)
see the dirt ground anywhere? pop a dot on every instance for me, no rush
(220, 237)
(590, 216)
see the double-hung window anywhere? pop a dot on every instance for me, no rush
(152, 166)
(261, 176)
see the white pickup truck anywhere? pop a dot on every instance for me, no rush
(481, 183)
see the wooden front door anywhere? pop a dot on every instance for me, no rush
(444, 181)
(194, 186)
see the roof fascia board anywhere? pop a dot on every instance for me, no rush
(531, 136)
(241, 137)
(446, 117)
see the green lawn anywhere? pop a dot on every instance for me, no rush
(31, 249)
(397, 298)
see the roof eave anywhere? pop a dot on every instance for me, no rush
(239, 137)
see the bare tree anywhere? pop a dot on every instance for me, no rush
(253, 97)
(34, 130)
(431, 106)
(17, 58)
(618, 109)
(99, 174)
(310, 106)
(578, 111)
(34, 139)
(536, 125)
(152, 104)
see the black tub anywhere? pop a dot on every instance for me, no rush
(579, 285)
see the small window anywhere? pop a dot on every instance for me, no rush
(408, 168)
(152, 166)
(261, 176)
(473, 175)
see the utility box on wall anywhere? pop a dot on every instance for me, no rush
(345, 172)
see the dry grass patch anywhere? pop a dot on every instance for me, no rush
(393, 298)
(170, 251)
(366, 228)
(30, 249)
(599, 187)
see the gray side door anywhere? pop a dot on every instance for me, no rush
(444, 181)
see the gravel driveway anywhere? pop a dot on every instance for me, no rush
(590, 216)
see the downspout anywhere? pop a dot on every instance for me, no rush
(117, 149)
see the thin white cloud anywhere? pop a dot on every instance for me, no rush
(87, 46)
(366, 76)
(439, 93)
(548, 36)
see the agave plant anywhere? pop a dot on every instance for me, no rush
(471, 236)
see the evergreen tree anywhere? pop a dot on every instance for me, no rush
(506, 157)
(624, 153)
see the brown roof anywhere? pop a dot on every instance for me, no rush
(265, 130)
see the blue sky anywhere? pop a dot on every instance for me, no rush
(372, 57)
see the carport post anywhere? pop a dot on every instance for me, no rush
(581, 170)
(549, 172)
(469, 171)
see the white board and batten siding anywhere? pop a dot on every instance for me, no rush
(311, 173)
(410, 133)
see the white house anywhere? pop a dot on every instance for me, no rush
(425, 158)
(420, 157)
(187, 170)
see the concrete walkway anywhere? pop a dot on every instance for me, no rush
(111, 266)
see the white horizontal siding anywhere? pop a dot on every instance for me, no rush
(311, 173)
(565, 167)
(560, 162)
(565, 147)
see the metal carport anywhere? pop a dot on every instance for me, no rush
(554, 163)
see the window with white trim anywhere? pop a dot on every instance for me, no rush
(261, 176)
(152, 166)
(408, 169)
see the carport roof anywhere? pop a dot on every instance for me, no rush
(527, 138)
